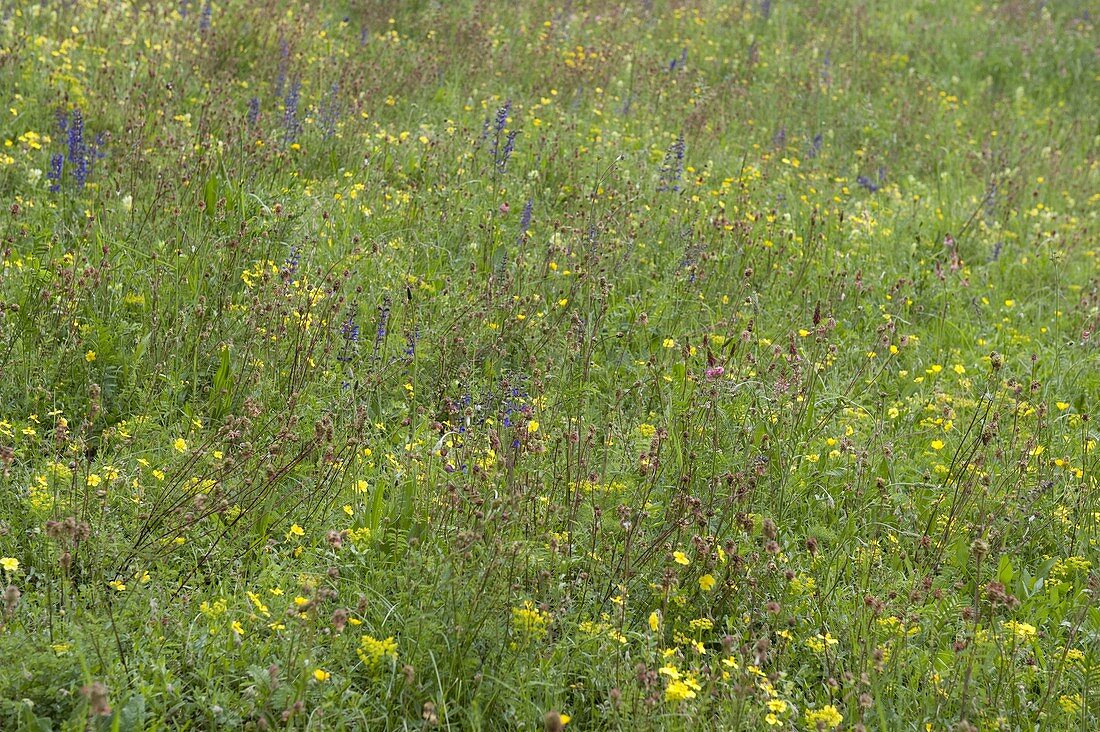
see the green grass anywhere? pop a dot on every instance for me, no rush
(662, 365)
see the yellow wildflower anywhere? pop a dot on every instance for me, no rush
(828, 717)
(372, 652)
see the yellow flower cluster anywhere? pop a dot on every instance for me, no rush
(681, 686)
(1022, 632)
(1069, 569)
(828, 717)
(529, 621)
(373, 652)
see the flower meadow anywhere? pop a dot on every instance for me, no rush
(640, 364)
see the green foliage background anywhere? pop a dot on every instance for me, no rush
(701, 365)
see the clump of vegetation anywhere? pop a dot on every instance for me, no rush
(477, 365)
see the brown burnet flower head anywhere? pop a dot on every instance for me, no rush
(96, 694)
(70, 529)
(11, 598)
(996, 593)
(760, 650)
(295, 708)
(7, 456)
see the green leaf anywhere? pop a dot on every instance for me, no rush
(210, 195)
(29, 721)
(131, 716)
